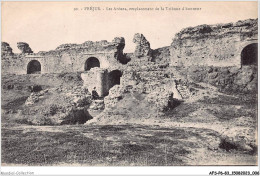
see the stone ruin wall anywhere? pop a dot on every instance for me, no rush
(213, 45)
(208, 45)
(146, 70)
(65, 58)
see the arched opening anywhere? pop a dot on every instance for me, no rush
(91, 63)
(249, 54)
(114, 77)
(34, 67)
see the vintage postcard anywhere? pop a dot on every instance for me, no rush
(129, 84)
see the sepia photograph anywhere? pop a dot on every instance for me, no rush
(129, 83)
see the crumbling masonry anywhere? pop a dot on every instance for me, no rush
(102, 63)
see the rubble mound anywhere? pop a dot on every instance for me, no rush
(116, 93)
(56, 106)
(146, 90)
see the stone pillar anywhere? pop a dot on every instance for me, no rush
(100, 82)
(106, 83)
(96, 77)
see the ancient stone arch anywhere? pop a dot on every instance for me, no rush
(249, 54)
(34, 67)
(114, 77)
(91, 63)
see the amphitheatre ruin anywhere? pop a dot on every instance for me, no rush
(234, 45)
(205, 79)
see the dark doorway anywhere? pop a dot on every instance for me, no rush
(249, 54)
(34, 67)
(114, 77)
(91, 63)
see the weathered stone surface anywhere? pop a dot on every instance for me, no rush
(6, 50)
(96, 78)
(163, 100)
(115, 94)
(161, 55)
(217, 45)
(244, 77)
(231, 78)
(142, 46)
(147, 80)
(117, 45)
(24, 47)
(119, 42)
(213, 75)
(97, 105)
(67, 57)
(56, 107)
(35, 96)
(252, 85)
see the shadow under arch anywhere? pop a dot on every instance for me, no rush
(91, 63)
(34, 67)
(249, 54)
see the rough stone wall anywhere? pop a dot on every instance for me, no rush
(98, 78)
(120, 45)
(6, 50)
(208, 45)
(161, 55)
(65, 58)
(217, 45)
(24, 47)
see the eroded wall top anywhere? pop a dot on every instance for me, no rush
(103, 46)
(218, 45)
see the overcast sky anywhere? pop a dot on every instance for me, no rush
(46, 25)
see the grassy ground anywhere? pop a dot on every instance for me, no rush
(112, 145)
